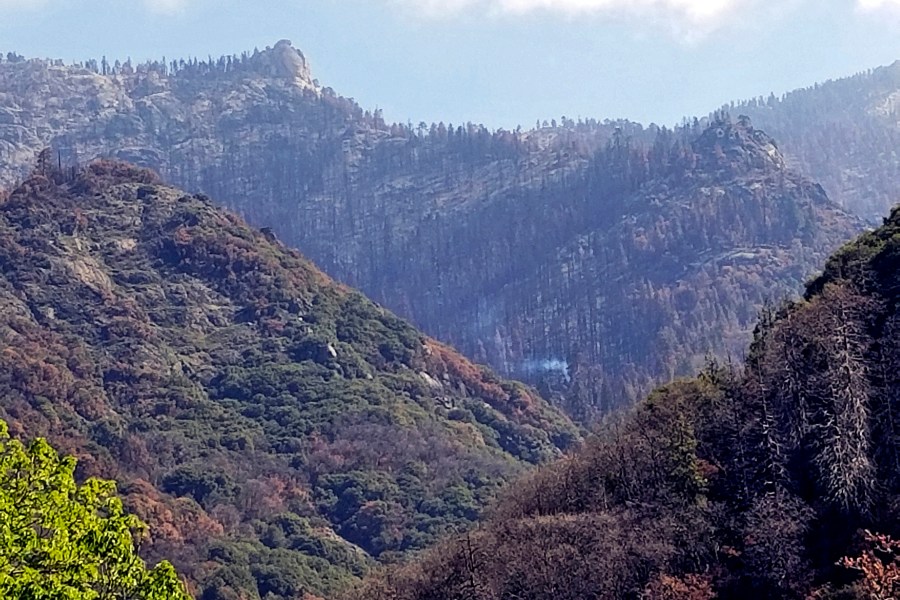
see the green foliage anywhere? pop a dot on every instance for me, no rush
(287, 564)
(232, 388)
(870, 260)
(199, 482)
(60, 540)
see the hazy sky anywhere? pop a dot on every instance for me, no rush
(500, 62)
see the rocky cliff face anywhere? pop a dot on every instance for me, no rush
(550, 254)
(176, 118)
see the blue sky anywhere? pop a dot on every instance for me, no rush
(499, 62)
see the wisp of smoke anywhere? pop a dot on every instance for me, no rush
(546, 365)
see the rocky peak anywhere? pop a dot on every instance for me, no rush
(737, 147)
(284, 61)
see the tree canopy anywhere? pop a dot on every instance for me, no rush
(60, 540)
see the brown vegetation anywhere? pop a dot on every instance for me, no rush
(751, 482)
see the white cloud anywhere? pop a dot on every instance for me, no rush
(693, 10)
(706, 14)
(874, 5)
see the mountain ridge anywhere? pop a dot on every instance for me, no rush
(842, 133)
(460, 229)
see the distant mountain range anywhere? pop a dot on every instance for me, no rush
(845, 134)
(594, 258)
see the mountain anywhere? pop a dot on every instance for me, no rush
(843, 134)
(778, 479)
(279, 432)
(257, 122)
(639, 269)
(596, 259)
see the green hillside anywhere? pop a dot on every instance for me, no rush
(279, 432)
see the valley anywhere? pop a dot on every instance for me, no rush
(327, 356)
(491, 241)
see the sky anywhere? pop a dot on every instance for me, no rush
(502, 63)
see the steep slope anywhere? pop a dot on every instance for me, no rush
(634, 282)
(752, 483)
(279, 432)
(596, 258)
(843, 134)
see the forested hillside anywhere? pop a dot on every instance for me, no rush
(843, 134)
(636, 271)
(279, 432)
(596, 258)
(778, 478)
